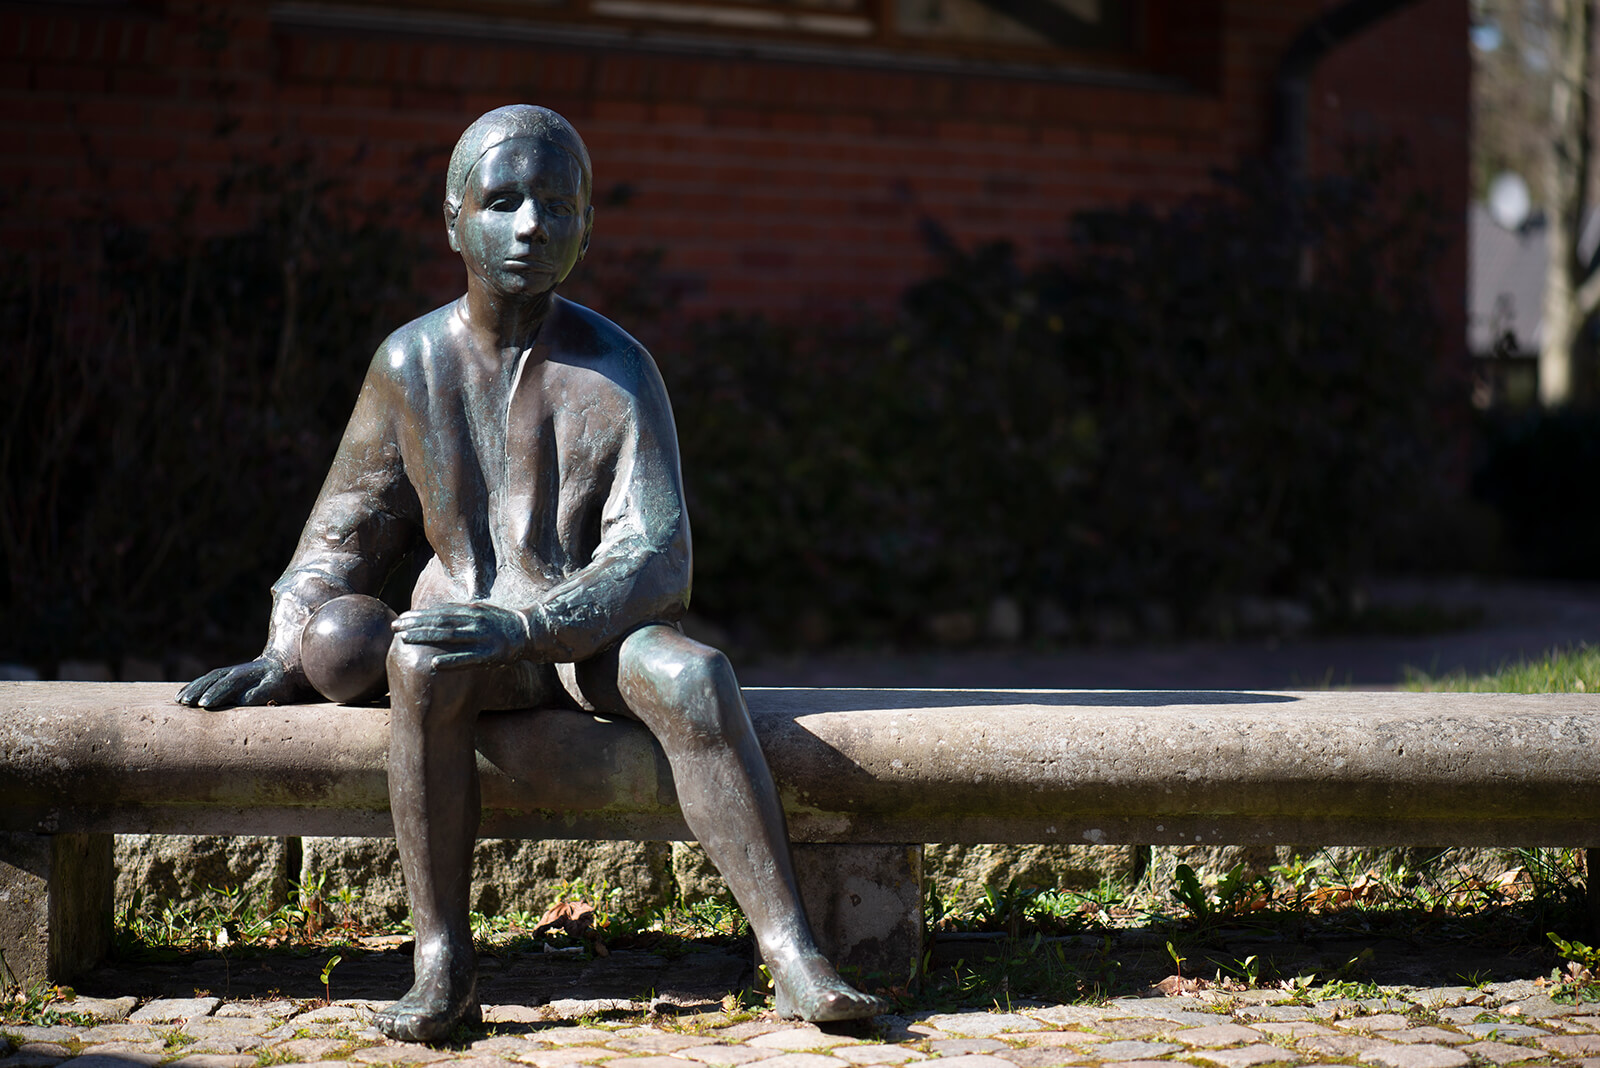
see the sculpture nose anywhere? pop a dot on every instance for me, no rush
(530, 225)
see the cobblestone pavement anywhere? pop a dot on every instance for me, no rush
(1510, 1023)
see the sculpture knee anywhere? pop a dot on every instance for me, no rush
(420, 692)
(695, 694)
(411, 664)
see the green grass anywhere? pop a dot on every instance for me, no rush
(1558, 671)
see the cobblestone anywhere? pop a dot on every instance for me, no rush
(174, 1010)
(1508, 1024)
(1501, 1052)
(1247, 1056)
(1418, 1056)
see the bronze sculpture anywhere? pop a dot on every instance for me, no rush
(529, 441)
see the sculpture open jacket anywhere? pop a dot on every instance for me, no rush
(548, 485)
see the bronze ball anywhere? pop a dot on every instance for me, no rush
(345, 646)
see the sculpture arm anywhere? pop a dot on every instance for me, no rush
(363, 520)
(366, 518)
(640, 571)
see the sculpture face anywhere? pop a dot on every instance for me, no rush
(523, 224)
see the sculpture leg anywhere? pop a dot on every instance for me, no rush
(686, 693)
(434, 798)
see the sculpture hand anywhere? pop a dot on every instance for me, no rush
(260, 682)
(476, 634)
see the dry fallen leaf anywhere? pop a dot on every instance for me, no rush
(573, 917)
(1173, 985)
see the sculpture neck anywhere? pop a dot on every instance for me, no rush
(506, 323)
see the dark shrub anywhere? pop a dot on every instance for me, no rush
(1235, 398)
(171, 404)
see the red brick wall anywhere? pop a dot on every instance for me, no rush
(775, 186)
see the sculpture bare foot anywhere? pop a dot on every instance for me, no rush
(440, 999)
(805, 987)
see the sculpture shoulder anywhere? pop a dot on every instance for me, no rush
(586, 338)
(409, 353)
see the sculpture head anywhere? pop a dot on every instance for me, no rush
(516, 202)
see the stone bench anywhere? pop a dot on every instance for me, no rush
(862, 773)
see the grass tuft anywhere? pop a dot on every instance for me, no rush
(1558, 671)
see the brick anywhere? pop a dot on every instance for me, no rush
(795, 122)
(358, 97)
(748, 118)
(620, 111)
(678, 114)
(77, 80)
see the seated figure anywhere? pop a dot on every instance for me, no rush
(529, 442)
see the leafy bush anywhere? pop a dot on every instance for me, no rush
(1235, 398)
(171, 403)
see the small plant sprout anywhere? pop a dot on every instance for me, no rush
(1248, 970)
(326, 974)
(1177, 960)
(1582, 977)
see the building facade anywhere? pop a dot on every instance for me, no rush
(779, 153)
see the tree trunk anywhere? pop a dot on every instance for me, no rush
(1571, 291)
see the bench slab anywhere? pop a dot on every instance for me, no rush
(861, 772)
(1101, 767)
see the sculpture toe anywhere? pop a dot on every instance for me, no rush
(823, 997)
(414, 1019)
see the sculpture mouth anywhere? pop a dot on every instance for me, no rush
(526, 265)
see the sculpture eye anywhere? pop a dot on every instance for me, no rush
(504, 202)
(559, 208)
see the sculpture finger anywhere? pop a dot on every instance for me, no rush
(434, 635)
(457, 661)
(223, 693)
(436, 614)
(235, 685)
(191, 694)
(409, 627)
(262, 692)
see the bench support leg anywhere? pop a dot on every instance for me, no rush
(55, 904)
(865, 907)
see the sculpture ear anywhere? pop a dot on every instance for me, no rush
(588, 231)
(451, 214)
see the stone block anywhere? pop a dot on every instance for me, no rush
(511, 875)
(695, 877)
(959, 873)
(55, 904)
(508, 875)
(366, 870)
(1211, 862)
(865, 907)
(202, 871)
